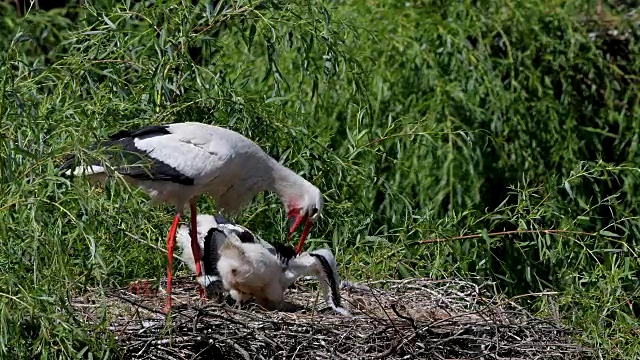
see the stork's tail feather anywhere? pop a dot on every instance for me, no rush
(67, 163)
(71, 167)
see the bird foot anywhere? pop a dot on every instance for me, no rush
(231, 302)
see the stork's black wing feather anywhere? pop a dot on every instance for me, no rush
(333, 284)
(221, 219)
(284, 252)
(246, 237)
(122, 154)
(154, 130)
(210, 252)
(131, 161)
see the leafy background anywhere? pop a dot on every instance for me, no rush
(419, 121)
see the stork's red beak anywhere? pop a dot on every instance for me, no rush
(305, 232)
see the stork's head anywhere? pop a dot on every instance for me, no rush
(307, 208)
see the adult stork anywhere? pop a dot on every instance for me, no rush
(176, 163)
(236, 260)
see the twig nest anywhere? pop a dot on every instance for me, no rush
(415, 318)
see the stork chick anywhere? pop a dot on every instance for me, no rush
(249, 269)
(247, 266)
(209, 245)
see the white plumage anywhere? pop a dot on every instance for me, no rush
(247, 266)
(176, 163)
(206, 225)
(249, 270)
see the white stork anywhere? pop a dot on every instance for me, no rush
(246, 266)
(176, 163)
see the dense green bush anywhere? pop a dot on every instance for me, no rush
(418, 120)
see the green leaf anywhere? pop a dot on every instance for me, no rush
(276, 99)
(106, 19)
(252, 34)
(404, 271)
(568, 188)
(608, 233)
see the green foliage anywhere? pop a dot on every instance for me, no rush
(416, 119)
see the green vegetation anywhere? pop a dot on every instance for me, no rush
(417, 119)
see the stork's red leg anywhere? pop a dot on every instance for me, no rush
(195, 248)
(171, 242)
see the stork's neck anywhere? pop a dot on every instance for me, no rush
(288, 185)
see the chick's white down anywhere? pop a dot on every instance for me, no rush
(251, 267)
(251, 270)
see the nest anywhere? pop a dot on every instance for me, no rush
(406, 319)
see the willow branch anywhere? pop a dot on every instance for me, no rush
(476, 236)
